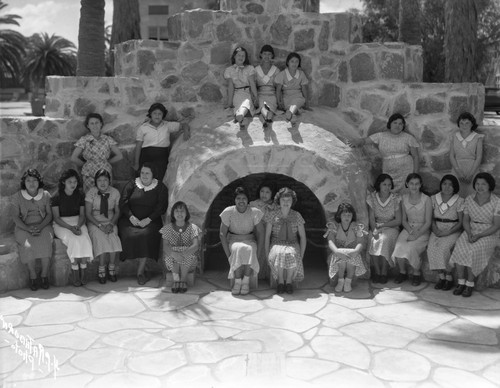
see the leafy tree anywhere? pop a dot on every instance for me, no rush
(409, 30)
(12, 48)
(91, 47)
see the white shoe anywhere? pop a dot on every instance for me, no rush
(347, 285)
(339, 286)
(236, 287)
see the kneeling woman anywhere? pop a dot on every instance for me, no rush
(285, 241)
(240, 224)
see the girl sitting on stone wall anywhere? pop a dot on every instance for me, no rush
(265, 74)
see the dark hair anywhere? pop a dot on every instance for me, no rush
(454, 182)
(236, 51)
(293, 55)
(285, 192)
(157, 106)
(100, 173)
(467, 116)
(33, 173)
(266, 49)
(270, 185)
(394, 117)
(151, 166)
(414, 175)
(241, 190)
(382, 178)
(179, 204)
(93, 116)
(487, 177)
(70, 173)
(345, 208)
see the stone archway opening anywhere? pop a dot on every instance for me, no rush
(307, 205)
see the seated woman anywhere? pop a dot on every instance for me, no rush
(180, 246)
(68, 210)
(143, 202)
(476, 244)
(285, 241)
(345, 240)
(33, 232)
(238, 228)
(291, 87)
(241, 89)
(266, 90)
(384, 209)
(412, 241)
(448, 214)
(102, 211)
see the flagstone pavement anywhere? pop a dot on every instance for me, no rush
(125, 335)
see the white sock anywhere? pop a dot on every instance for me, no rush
(74, 267)
(449, 277)
(441, 276)
(469, 284)
(461, 282)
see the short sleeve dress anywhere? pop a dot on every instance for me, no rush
(476, 255)
(396, 158)
(242, 97)
(96, 153)
(102, 242)
(180, 241)
(285, 248)
(347, 239)
(292, 87)
(266, 90)
(446, 217)
(241, 240)
(32, 210)
(384, 212)
(465, 155)
(69, 211)
(411, 250)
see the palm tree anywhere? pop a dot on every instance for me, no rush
(12, 45)
(91, 47)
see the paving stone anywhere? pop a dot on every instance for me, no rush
(380, 334)
(10, 360)
(375, 349)
(124, 284)
(354, 377)
(198, 376)
(109, 325)
(237, 325)
(209, 352)
(308, 335)
(225, 332)
(393, 296)
(14, 320)
(308, 368)
(352, 303)
(55, 294)
(209, 313)
(448, 377)
(462, 330)
(61, 382)
(158, 363)
(304, 351)
(456, 355)
(67, 312)
(273, 340)
(310, 302)
(266, 365)
(156, 300)
(137, 340)
(11, 305)
(492, 373)
(491, 293)
(264, 294)
(489, 319)
(177, 319)
(343, 350)
(78, 339)
(37, 332)
(225, 301)
(125, 380)
(231, 369)
(400, 365)
(189, 334)
(283, 320)
(115, 304)
(478, 302)
(337, 316)
(328, 331)
(201, 287)
(100, 361)
(419, 316)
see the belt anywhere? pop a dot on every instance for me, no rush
(395, 156)
(444, 220)
(242, 87)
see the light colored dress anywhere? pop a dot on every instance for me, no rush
(96, 153)
(384, 212)
(180, 241)
(476, 255)
(241, 240)
(292, 87)
(411, 250)
(266, 91)
(439, 248)
(285, 247)
(396, 158)
(242, 97)
(465, 155)
(349, 239)
(32, 210)
(102, 242)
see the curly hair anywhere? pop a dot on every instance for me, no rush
(487, 177)
(382, 178)
(267, 49)
(70, 173)
(394, 117)
(93, 116)
(179, 204)
(454, 182)
(344, 208)
(293, 55)
(467, 116)
(33, 172)
(285, 192)
(157, 106)
(270, 185)
(240, 190)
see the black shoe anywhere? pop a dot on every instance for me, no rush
(460, 288)
(448, 285)
(281, 288)
(440, 284)
(102, 278)
(112, 276)
(375, 278)
(34, 284)
(175, 288)
(467, 291)
(382, 279)
(45, 283)
(417, 279)
(401, 278)
(289, 288)
(183, 287)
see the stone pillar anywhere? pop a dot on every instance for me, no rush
(270, 6)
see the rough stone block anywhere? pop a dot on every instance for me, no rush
(195, 21)
(304, 39)
(220, 53)
(49, 130)
(52, 105)
(189, 53)
(168, 81)
(429, 105)
(135, 95)
(210, 92)
(166, 55)
(174, 27)
(145, 62)
(123, 134)
(362, 67)
(184, 94)
(228, 31)
(330, 95)
(342, 27)
(456, 106)
(402, 105)
(392, 66)
(373, 103)
(83, 107)
(440, 163)
(323, 37)
(281, 30)
(195, 72)
(343, 76)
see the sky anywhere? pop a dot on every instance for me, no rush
(61, 17)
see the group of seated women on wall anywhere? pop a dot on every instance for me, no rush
(265, 88)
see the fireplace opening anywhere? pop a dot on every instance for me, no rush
(307, 205)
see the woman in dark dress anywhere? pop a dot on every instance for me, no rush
(143, 202)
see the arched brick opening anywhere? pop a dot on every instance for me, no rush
(307, 204)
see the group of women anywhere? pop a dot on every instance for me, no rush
(265, 88)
